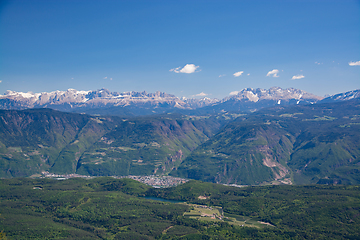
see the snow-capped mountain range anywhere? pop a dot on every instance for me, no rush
(86, 101)
(275, 93)
(343, 96)
(74, 98)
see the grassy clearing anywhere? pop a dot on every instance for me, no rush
(205, 213)
(15, 149)
(290, 115)
(126, 148)
(349, 124)
(244, 221)
(324, 118)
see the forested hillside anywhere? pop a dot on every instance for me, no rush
(301, 144)
(36, 140)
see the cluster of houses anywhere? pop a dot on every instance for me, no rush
(154, 181)
(46, 174)
(158, 181)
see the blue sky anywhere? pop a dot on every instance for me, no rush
(186, 48)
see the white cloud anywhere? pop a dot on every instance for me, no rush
(318, 63)
(188, 68)
(0, 81)
(234, 93)
(298, 77)
(222, 75)
(273, 72)
(105, 78)
(237, 74)
(354, 63)
(110, 78)
(202, 94)
(248, 74)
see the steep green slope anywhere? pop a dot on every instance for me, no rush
(39, 140)
(240, 154)
(327, 146)
(144, 146)
(300, 144)
(68, 158)
(33, 140)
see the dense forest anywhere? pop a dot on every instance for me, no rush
(108, 208)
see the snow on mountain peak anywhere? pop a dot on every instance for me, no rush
(97, 98)
(72, 98)
(20, 94)
(274, 93)
(343, 96)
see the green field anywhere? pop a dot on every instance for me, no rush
(216, 214)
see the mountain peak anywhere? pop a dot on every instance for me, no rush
(343, 96)
(273, 93)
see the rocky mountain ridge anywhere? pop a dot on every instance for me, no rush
(80, 99)
(343, 96)
(274, 93)
(105, 102)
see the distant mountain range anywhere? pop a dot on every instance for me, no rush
(342, 96)
(104, 102)
(82, 100)
(255, 136)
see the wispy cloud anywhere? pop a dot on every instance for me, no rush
(237, 74)
(202, 94)
(233, 93)
(248, 74)
(105, 78)
(273, 72)
(188, 68)
(297, 77)
(110, 78)
(354, 63)
(222, 75)
(318, 63)
(0, 81)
